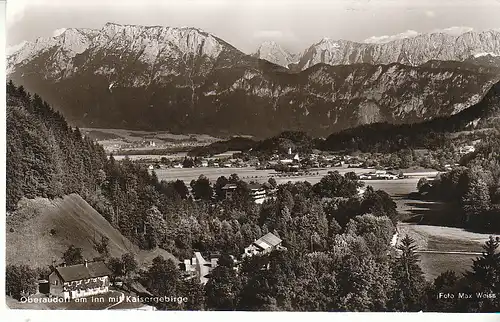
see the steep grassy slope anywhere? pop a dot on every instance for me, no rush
(32, 241)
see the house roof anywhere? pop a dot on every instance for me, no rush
(271, 239)
(204, 269)
(254, 186)
(229, 186)
(268, 240)
(261, 244)
(80, 271)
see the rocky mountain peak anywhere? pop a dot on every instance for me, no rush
(148, 42)
(414, 50)
(273, 52)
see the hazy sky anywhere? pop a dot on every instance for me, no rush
(296, 24)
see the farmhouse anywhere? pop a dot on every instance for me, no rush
(263, 245)
(429, 173)
(71, 282)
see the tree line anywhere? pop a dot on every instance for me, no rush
(474, 188)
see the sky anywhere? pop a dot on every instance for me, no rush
(294, 24)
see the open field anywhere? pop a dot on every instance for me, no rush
(435, 264)
(188, 174)
(250, 173)
(120, 140)
(428, 237)
(457, 247)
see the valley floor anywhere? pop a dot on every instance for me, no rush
(452, 248)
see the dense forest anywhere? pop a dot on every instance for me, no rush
(338, 255)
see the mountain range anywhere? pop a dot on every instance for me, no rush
(412, 51)
(188, 80)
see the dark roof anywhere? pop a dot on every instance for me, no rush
(79, 271)
(254, 186)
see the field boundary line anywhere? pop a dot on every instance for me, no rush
(457, 252)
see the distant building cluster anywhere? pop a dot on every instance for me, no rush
(379, 175)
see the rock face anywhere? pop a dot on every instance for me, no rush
(412, 51)
(187, 80)
(275, 54)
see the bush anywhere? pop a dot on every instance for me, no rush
(423, 182)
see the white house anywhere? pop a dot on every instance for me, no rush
(290, 157)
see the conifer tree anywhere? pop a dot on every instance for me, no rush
(484, 279)
(408, 277)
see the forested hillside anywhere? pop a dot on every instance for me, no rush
(48, 158)
(384, 137)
